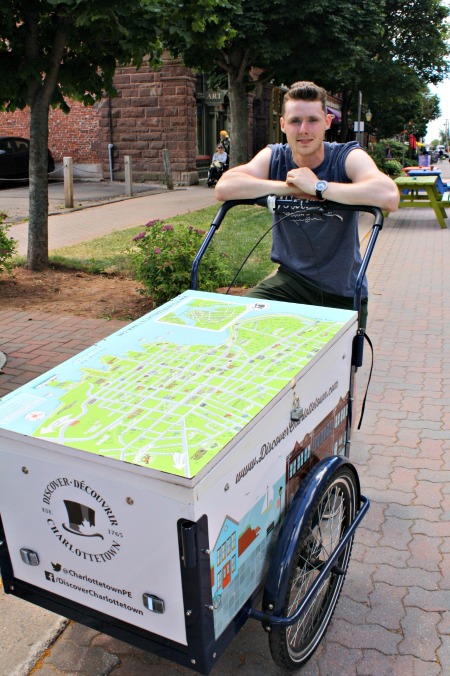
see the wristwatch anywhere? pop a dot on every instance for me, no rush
(320, 188)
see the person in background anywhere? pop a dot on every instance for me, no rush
(220, 155)
(217, 166)
(319, 257)
(225, 142)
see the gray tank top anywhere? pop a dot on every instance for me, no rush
(321, 250)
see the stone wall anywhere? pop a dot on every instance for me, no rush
(154, 110)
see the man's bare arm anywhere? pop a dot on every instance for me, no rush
(369, 185)
(252, 180)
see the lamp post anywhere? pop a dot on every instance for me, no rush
(359, 117)
(368, 118)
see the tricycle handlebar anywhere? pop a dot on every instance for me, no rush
(284, 205)
(294, 207)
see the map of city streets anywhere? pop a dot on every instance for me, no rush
(170, 390)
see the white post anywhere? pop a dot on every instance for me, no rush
(128, 175)
(68, 182)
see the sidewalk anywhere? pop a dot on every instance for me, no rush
(14, 200)
(393, 617)
(81, 225)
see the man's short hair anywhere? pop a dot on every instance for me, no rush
(305, 91)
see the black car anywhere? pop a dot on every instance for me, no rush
(14, 157)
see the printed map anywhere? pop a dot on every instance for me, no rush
(172, 389)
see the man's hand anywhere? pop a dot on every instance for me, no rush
(304, 180)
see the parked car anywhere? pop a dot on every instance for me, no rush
(14, 157)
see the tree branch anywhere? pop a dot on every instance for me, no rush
(59, 43)
(225, 62)
(243, 66)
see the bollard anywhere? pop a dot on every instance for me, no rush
(167, 169)
(68, 182)
(128, 175)
(111, 161)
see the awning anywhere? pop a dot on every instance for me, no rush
(337, 116)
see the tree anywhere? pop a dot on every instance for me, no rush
(52, 50)
(285, 41)
(400, 61)
(407, 115)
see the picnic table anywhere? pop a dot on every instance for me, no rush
(428, 168)
(422, 192)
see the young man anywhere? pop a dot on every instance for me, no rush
(319, 257)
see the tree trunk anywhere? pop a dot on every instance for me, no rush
(239, 119)
(40, 92)
(37, 254)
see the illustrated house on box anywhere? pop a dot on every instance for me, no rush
(225, 566)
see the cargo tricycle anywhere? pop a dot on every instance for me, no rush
(191, 471)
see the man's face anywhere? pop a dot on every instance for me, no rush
(304, 124)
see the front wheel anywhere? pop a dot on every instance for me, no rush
(333, 511)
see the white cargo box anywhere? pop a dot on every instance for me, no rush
(110, 461)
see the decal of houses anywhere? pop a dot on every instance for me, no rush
(225, 554)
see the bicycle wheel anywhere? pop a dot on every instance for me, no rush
(333, 511)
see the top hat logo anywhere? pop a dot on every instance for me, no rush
(81, 520)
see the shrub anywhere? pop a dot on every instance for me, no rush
(162, 258)
(392, 168)
(7, 246)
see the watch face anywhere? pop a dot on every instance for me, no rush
(321, 185)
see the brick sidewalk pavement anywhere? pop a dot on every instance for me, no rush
(394, 613)
(35, 342)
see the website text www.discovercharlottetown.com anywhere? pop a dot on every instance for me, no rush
(267, 447)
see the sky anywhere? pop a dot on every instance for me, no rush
(443, 91)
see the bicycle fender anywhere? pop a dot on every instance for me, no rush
(298, 514)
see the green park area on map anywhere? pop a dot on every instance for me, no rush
(173, 406)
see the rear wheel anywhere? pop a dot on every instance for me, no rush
(333, 511)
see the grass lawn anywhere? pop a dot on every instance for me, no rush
(243, 226)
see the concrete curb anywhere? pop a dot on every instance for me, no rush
(38, 630)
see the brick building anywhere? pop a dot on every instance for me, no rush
(170, 108)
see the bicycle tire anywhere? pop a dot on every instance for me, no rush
(333, 511)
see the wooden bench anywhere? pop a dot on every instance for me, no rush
(421, 192)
